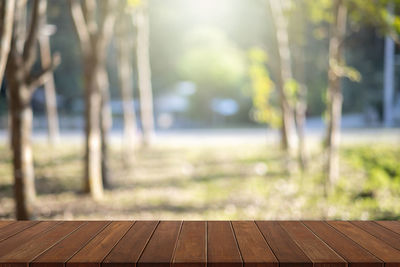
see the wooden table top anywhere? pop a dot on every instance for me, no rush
(199, 243)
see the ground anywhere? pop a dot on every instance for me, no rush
(216, 180)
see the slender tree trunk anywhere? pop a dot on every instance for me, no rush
(335, 98)
(21, 85)
(144, 75)
(388, 81)
(106, 123)
(93, 173)
(301, 108)
(125, 75)
(94, 22)
(289, 141)
(50, 92)
(6, 26)
(21, 128)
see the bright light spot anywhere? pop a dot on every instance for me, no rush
(208, 9)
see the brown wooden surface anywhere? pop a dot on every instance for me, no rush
(285, 248)
(199, 243)
(355, 255)
(222, 249)
(160, 249)
(315, 249)
(380, 249)
(191, 249)
(252, 245)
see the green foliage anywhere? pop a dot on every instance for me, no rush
(381, 165)
(217, 67)
(262, 89)
(212, 61)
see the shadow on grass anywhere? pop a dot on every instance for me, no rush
(49, 186)
(6, 190)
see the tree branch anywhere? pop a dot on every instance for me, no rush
(81, 26)
(107, 20)
(29, 53)
(41, 78)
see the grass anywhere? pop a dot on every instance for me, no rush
(212, 182)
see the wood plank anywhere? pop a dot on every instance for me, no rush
(379, 231)
(285, 249)
(60, 253)
(37, 245)
(4, 223)
(378, 248)
(24, 236)
(222, 249)
(355, 255)
(12, 229)
(191, 249)
(391, 225)
(98, 248)
(315, 249)
(160, 249)
(252, 245)
(128, 250)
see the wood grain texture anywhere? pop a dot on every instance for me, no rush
(60, 253)
(98, 248)
(13, 242)
(5, 223)
(12, 229)
(355, 255)
(252, 245)
(160, 249)
(29, 250)
(199, 243)
(377, 247)
(285, 249)
(130, 247)
(315, 249)
(379, 231)
(391, 225)
(191, 249)
(222, 249)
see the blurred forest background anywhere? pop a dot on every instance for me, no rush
(188, 109)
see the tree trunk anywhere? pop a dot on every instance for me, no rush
(125, 75)
(50, 92)
(24, 187)
(93, 173)
(6, 26)
(144, 75)
(94, 23)
(285, 76)
(388, 81)
(301, 108)
(106, 122)
(21, 85)
(335, 97)
(21, 129)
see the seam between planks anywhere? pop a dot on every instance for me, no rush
(87, 242)
(387, 227)
(296, 243)
(384, 241)
(84, 223)
(116, 243)
(337, 230)
(176, 244)
(35, 223)
(236, 242)
(266, 241)
(334, 251)
(148, 241)
(206, 241)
